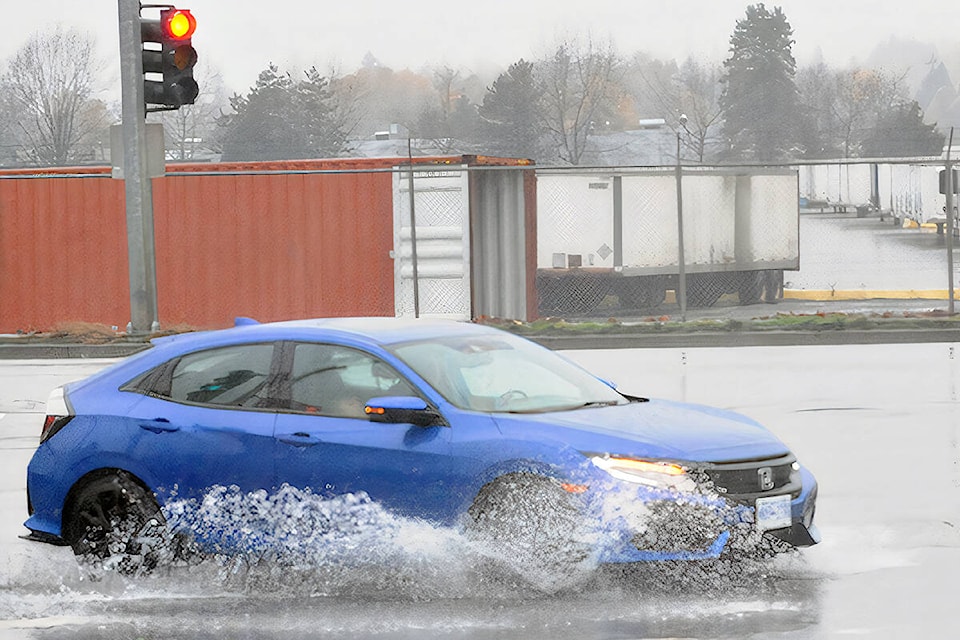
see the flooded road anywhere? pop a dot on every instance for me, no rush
(877, 424)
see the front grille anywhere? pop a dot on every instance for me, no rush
(743, 481)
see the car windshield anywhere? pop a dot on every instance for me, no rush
(504, 373)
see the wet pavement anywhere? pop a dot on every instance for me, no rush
(878, 424)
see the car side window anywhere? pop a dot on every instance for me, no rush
(332, 380)
(235, 376)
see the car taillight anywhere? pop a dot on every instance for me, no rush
(59, 413)
(53, 424)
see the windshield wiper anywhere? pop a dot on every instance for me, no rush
(567, 407)
(597, 403)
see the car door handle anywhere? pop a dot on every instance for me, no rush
(159, 425)
(299, 439)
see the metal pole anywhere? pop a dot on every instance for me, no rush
(682, 284)
(413, 233)
(139, 195)
(949, 202)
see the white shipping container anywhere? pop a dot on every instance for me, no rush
(628, 221)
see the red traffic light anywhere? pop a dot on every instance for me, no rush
(179, 24)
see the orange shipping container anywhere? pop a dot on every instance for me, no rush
(269, 240)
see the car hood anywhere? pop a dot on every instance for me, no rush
(657, 429)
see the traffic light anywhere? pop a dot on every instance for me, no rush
(168, 52)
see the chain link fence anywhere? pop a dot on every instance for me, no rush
(609, 240)
(846, 236)
(457, 240)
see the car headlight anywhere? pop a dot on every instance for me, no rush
(653, 473)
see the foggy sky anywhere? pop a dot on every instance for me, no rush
(240, 37)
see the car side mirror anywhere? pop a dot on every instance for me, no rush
(401, 410)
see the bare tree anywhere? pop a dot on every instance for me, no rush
(817, 86)
(577, 81)
(375, 97)
(863, 97)
(52, 80)
(698, 96)
(842, 108)
(444, 80)
(8, 132)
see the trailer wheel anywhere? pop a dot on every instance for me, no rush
(772, 286)
(570, 293)
(548, 298)
(703, 289)
(750, 287)
(641, 292)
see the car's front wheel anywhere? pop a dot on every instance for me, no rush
(113, 522)
(534, 525)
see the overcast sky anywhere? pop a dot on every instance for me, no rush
(239, 37)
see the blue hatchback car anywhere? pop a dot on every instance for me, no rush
(456, 424)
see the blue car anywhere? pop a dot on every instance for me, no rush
(454, 424)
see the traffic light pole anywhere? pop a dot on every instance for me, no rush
(139, 194)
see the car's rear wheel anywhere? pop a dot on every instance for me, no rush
(534, 524)
(113, 522)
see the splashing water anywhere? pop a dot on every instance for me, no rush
(240, 552)
(295, 539)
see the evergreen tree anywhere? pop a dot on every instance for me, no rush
(901, 132)
(323, 125)
(509, 113)
(759, 100)
(463, 121)
(281, 119)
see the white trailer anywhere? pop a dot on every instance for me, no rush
(615, 232)
(912, 192)
(839, 187)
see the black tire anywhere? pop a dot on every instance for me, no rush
(703, 290)
(549, 294)
(584, 292)
(533, 524)
(641, 292)
(571, 293)
(113, 521)
(750, 287)
(773, 286)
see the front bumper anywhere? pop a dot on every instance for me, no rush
(671, 526)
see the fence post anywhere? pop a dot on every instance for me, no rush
(413, 231)
(949, 211)
(682, 277)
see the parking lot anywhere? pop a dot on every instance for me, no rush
(878, 425)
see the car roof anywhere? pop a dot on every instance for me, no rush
(378, 330)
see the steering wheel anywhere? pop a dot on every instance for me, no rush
(509, 395)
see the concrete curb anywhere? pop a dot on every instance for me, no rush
(826, 295)
(50, 351)
(644, 340)
(748, 338)
(829, 295)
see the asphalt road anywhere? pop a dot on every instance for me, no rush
(839, 251)
(878, 424)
